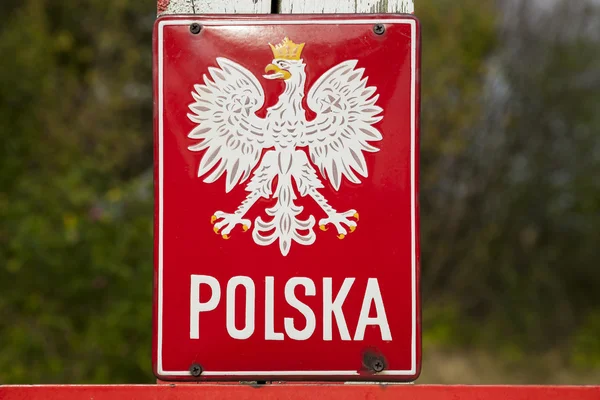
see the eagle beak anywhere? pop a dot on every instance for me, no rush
(278, 73)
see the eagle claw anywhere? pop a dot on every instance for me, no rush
(341, 221)
(225, 222)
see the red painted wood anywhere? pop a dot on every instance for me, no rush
(162, 5)
(299, 391)
(380, 248)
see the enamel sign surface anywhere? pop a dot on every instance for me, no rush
(286, 228)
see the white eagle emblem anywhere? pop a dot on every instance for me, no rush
(241, 145)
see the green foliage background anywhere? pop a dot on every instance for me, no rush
(510, 189)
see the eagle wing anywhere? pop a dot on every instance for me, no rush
(228, 128)
(341, 132)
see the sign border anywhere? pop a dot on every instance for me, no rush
(216, 20)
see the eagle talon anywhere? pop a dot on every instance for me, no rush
(341, 221)
(356, 216)
(227, 222)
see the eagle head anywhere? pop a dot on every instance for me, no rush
(286, 60)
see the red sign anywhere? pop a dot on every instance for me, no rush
(286, 233)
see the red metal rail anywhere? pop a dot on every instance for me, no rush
(300, 391)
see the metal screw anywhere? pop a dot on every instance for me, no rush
(378, 365)
(195, 369)
(379, 29)
(195, 28)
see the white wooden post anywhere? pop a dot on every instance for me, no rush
(283, 6)
(345, 6)
(214, 6)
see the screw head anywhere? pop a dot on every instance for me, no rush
(195, 369)
(378, 365)
(195, 28)
(379, 29)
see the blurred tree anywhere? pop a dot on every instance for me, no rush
(511, 220)
(75, 205)
(457, 45)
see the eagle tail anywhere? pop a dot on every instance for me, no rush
(284, 224)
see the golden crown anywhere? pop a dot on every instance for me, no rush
(287, 49)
